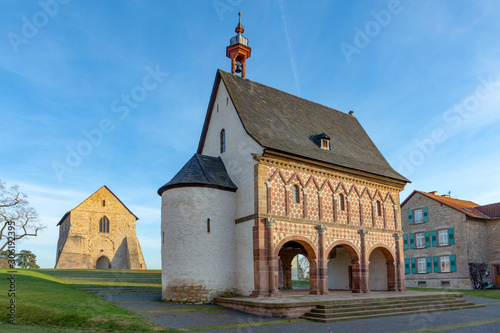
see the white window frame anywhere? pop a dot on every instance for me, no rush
(444, 233)
(420, 236)
(447, 264)
(418, 216)
(421, 265)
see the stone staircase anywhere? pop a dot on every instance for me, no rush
(383, 307)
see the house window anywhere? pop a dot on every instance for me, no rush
(208, 225)
(295, 192)
(341, 202)
(422, 265)
(104, 224)
(445, 283)
(443, 237)
(420, 237)
(418, 215)
(379, 208)
(444, 264)
(422, 283)
(222, 141)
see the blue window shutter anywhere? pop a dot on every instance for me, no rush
(429, 264)
(414, 265)
(405, 242)
(410, 217)
(427, 239)
(436, 264)
(407, 266)
(434, 238)
(451, 236)
(453, 263)
(425, 211)
(412, 241)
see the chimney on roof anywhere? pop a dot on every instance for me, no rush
(433, 192)
(351, 113)
(446, 196)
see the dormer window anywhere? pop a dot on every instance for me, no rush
(324, 141)
(325, 144)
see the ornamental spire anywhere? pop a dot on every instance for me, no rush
(238, 50)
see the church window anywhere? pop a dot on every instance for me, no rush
(163, 238)
(341, 202)
(295, 192)
(208, 225)
(222, 141)
(227, 100)
(379, 208)
(217, 108)
(104, 203)
(104, 224)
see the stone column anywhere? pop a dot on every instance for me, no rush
(269, 196)
(361, 219)
(286, 263)
(261, 273)
(272, 260)
(347, 205)
(287, 200)
(374, 212)
(320, 205)
(313, 276)
(335, 201)
(397, 225)
(384, 215)
(356, 276)
(322, 261)
(399, 273)
(304, 200)
(363, 267)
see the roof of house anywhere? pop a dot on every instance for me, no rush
(469, 208)
(283, 122)
(201, 171)
(69, 212)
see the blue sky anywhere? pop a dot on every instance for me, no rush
(114, 93)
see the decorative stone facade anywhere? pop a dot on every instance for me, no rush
(452, 233)
(99, 233)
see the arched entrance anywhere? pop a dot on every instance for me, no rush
(287, 252)
(102, 263)
(381, 269)
(342, 267)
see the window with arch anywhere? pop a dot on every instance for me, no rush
(379, 208)
(104, 224)
(341, 202)
(295, 193)
(223, 140)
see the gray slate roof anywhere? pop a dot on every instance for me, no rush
(201, 171)
(287, 123)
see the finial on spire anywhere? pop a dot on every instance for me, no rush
(239, 27)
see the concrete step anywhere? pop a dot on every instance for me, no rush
(380, 305)
(395, 313)
(435, 307)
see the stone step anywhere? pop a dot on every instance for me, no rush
(355, 302)
(434, 307)
(366, 305)
(395, 313)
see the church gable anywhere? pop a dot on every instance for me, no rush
(104, 200)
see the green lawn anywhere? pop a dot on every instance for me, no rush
(490, 293)
(49, 300)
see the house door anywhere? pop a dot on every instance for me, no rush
(497, 275)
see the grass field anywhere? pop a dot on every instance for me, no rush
(51, 301)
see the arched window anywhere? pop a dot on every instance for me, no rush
(379, 208)
(341, 202)
(222, 141)
(104, 224)
(295, 192)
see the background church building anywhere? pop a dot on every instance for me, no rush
(274, 176)
(99, 233)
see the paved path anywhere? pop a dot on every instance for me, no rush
(212, 318)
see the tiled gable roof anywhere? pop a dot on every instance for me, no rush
(492, 210)
(280, 121)
(202, 171)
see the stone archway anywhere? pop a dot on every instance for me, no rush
(286, 250)
(343, 267)
(102, 263)
(381, 268)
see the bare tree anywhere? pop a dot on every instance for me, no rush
(303, 264)
(17, 218)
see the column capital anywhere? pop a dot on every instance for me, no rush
(321, 228)
(395, 206)
(335, 196)
(304, 190)
(287, 187)
(347, 198)
(362, 233)
(361, 200)
(396, 236)
(269, 184)
(374, 203)
(269, 222)
(320, 193)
